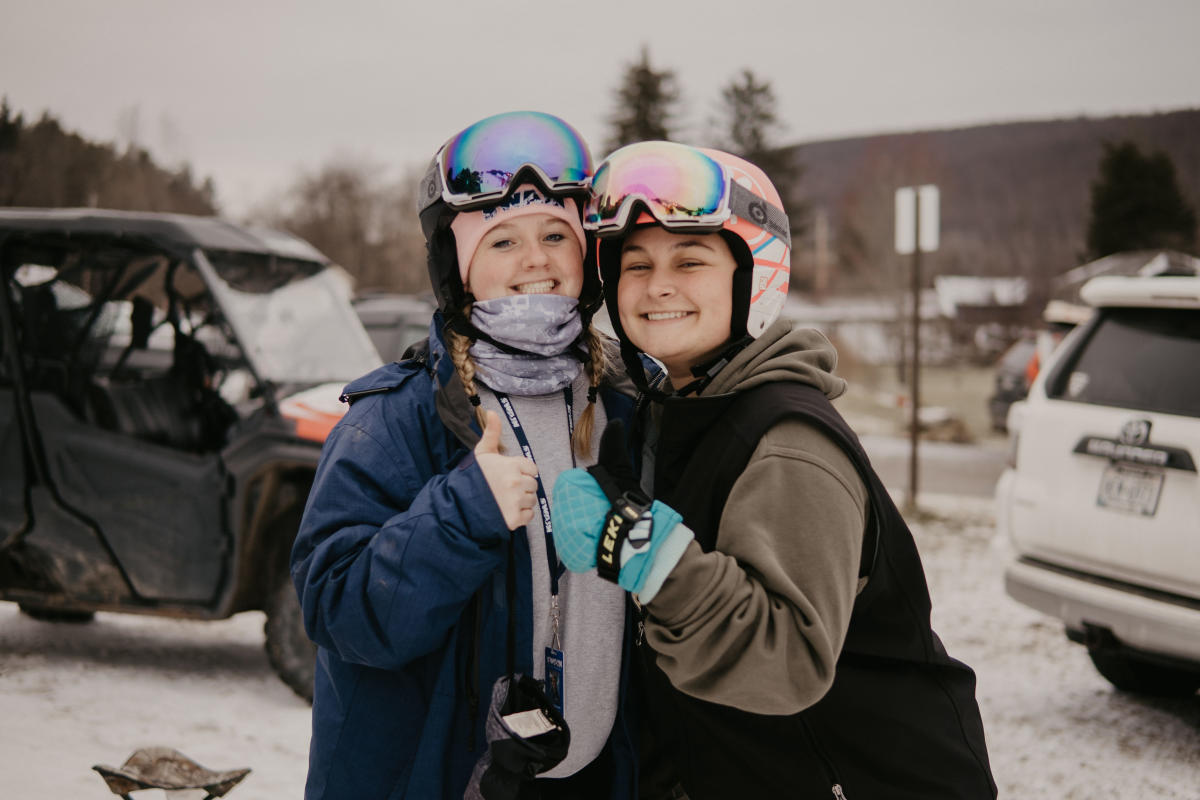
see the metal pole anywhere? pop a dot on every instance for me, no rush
(916, 354)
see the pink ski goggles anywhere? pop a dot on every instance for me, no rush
(680, 186)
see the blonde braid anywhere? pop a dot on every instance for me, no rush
(465, 366)
(596, 366)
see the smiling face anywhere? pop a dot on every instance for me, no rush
(528, 254)
(675, 296)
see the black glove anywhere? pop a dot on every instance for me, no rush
(520, 745)
(613, 471)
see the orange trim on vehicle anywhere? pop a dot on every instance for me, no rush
(311, 423)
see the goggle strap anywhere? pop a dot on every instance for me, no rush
(745, 204)
(430, 190)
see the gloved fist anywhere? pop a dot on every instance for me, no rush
(583, 499)
(602, 519)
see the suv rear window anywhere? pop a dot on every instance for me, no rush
(1146, 359)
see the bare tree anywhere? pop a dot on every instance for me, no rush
(365, 224)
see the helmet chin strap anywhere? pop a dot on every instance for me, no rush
(705, 372)
(740, 310)
(637, 372)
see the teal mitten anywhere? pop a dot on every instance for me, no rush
(602, 520)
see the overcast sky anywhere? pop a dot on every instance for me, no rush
(252, 92)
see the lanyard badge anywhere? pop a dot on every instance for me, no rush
(555, 658)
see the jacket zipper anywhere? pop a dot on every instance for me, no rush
(350, 397)
(473, 672)
(831, 773)
(639, 637)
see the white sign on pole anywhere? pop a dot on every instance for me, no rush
(906, 199)
(907, 237)
(928, 198)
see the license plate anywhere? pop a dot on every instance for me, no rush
(1130, 489)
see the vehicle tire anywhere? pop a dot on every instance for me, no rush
(68, 616)
(1132, 674)
(291, 653)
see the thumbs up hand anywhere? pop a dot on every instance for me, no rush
(511, 479)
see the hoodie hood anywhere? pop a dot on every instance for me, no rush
(784, 352)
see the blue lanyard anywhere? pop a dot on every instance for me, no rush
(556, 569)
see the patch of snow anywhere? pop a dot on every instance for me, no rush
(76, 695)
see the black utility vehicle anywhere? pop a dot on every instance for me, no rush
(166, 383)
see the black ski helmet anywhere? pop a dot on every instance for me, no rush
(480, 167)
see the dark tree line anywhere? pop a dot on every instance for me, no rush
(1137, 204)
(1015, 197)
(41, 164)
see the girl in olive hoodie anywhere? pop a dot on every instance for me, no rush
(788, 649)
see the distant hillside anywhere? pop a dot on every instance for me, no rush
(1014, 197)
(42, 164)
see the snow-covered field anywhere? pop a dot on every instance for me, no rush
(1055, 728)
(74, 696)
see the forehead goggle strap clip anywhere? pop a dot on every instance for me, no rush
(745, 204)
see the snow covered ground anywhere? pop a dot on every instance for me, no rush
(74, 696)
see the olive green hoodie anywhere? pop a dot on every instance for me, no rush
(758, 623)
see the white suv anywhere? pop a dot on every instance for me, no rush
(1101, 500)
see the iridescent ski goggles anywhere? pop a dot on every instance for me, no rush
(479, 166)
(680, 186)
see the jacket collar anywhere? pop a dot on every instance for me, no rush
(432, 357)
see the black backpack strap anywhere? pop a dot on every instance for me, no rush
(757, 410)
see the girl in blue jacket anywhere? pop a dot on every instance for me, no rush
(425, 561)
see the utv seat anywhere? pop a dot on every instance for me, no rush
(178, 408)
(155, 409)
(45, 341)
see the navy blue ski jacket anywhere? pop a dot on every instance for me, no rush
(400, 565)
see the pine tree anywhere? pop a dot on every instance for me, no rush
(746, 126)
(747, 116)
(645, 104)
(1137, 204)
(10, 126)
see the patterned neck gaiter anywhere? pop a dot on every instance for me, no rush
(543, 327)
